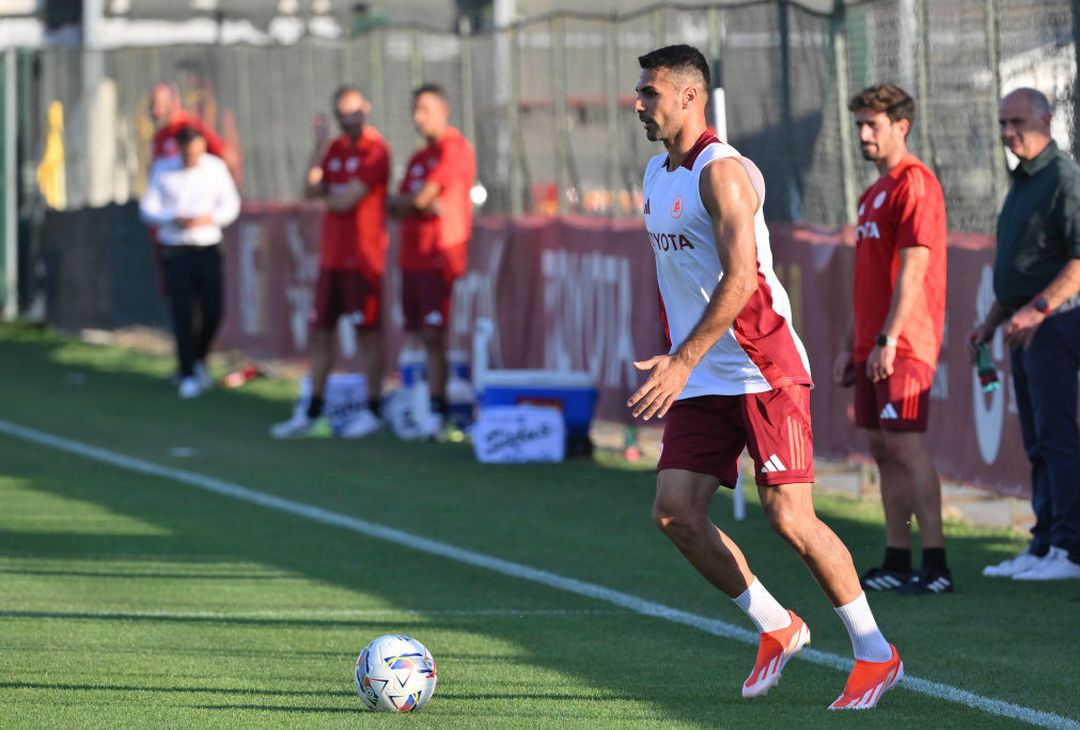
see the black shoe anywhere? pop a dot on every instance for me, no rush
(883, 579)
(929, 581)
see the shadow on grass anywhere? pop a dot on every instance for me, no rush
(577, 519)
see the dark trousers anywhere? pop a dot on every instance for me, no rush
(1045, 379)
(193, 279)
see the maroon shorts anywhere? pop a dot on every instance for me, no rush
(346, 293)
(425, 299)
(706, 435)
(901, 402)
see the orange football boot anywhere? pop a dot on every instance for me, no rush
(774, 652)
(868, 681)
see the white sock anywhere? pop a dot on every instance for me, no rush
(866, 638)
(764, 610)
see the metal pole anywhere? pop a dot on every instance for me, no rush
(10, 217)
(468, 114)
(611, 84)
(417, 65)
(718, 102)
(514, 122)
(558, 92)
(999, 180)
(923, 118)
(840, 69)
(794, 185)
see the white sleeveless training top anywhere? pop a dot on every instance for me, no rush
(760, 351)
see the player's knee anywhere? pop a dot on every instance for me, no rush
(671, 516)
(880, 447)
(785, 522)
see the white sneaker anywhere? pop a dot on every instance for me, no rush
(190, 388)
(298, 426)
(1055, 566)
(203, 375)
(1013, 566)
(364, 424)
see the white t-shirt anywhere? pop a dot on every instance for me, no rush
(760, 351)
(188, 192)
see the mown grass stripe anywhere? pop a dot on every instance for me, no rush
(627, 601)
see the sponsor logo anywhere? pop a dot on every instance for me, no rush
(888, 413)
(773, 464)
(867, 230)
(670, 241)
(677, 207)
(879, 200)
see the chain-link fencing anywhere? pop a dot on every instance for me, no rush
(548, 101)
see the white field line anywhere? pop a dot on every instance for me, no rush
(516, 570)
(302, 614)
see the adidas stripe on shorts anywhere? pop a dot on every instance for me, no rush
(706, 435)
(901, 402)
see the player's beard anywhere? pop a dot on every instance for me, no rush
(871, 153)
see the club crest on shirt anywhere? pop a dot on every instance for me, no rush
(879, 200)
(335, 165)
(677, 207)
(351, 164)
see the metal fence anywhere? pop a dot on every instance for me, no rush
(548, 101)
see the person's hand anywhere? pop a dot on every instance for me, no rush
(1020, 328)
(844, 369)
(982, 333)
(397, 206)
(321, 132)
(879, 365)
(665, 382)
(345, 197)
(194, 221)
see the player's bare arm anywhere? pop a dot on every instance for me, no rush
(425, 200)
(313, 181)
(731, 200)
(914, 261)
(1021, 326)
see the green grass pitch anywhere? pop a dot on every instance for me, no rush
(129, 600)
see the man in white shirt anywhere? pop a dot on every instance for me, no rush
(190, 198)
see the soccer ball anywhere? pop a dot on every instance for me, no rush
(395, 673)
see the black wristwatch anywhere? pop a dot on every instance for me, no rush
(1041, 305)
(883, 340)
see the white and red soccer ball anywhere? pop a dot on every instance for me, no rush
(395, 673)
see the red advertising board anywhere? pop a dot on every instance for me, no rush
(581, 294)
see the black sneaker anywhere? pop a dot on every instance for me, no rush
(883, 579)
(929, 581)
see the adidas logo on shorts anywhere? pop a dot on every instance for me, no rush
(888, 413)
(433, 319)
(773, 465)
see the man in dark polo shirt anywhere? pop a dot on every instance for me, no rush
(1037, 290)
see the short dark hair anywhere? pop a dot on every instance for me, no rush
(188, 134)
(345, 90)
(430, 88)
(680, 58)
(890, 99)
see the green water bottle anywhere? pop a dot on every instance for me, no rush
(984, 366)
